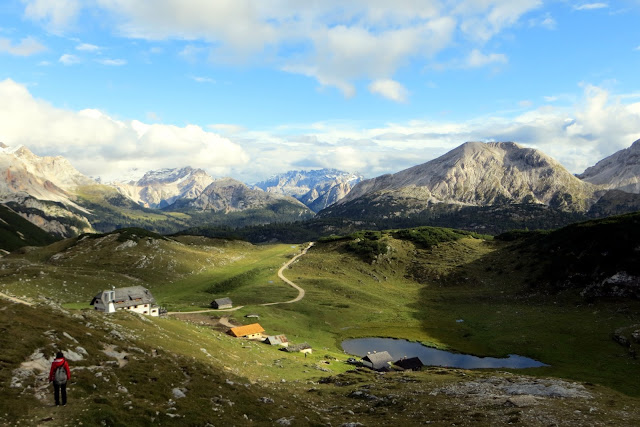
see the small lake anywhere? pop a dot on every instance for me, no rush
(398, 348)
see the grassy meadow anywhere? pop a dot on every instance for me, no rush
(457, 291)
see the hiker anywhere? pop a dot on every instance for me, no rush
(59, 374)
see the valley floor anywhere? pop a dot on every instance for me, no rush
(186, 370)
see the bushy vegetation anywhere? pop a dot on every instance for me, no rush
(584, 254)
(494, 219)
(427, 237)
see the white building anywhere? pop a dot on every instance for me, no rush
(132, 298)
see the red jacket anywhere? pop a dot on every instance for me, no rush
(55, 365)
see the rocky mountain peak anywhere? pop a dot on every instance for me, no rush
(161, 188)
(478, 174)
(169, 175)
(619, 171)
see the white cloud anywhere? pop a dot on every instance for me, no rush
(335, 42)
(98, 144)
(68, 59)
(112, 62)
(481, 20)
(227, 128)
(87, 47)
(57, 15)
(389, 89)
(591, 6)
(191, 53)
(546, 21)
(578, 136)
(479, 59)
(26, 47)
(200, 79)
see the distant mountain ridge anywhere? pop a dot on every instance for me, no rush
(56, 197)
(230, 195)
(44, 178)
(473, 174)
(159, 189)
(620, 171)
(315, 188)
(472, 186)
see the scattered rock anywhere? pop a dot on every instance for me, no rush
(72, 355)
(621, 339)
(522, 401)
(285, 421)
(70, 337)
(179, 393)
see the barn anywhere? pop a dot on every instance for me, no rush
(252, 331)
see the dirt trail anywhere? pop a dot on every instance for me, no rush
(289, 282)
(18, 300)
(301, 291)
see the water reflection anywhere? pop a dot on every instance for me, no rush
(433, 357)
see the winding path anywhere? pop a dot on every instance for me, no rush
(301, 291)
(289, 282)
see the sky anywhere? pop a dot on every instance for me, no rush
(249, 89)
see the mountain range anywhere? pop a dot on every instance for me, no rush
(475, 180)
(316, 188)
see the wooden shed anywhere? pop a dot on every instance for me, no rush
(222, 303)
(411, 363)
(378, 361)
(277, 340)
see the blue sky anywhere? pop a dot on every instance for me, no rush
(252, 88)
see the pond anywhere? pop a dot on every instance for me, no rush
(398, 349)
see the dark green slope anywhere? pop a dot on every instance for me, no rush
(16, 232)
(600, 258)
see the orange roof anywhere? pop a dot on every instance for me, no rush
(242, 331)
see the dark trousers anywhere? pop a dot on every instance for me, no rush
(57, 388)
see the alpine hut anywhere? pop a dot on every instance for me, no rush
(252, 331)
(377, 361)
(132, 298)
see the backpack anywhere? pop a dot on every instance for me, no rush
(60, 376)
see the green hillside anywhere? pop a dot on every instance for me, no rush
(446, 288)
(16, 232)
